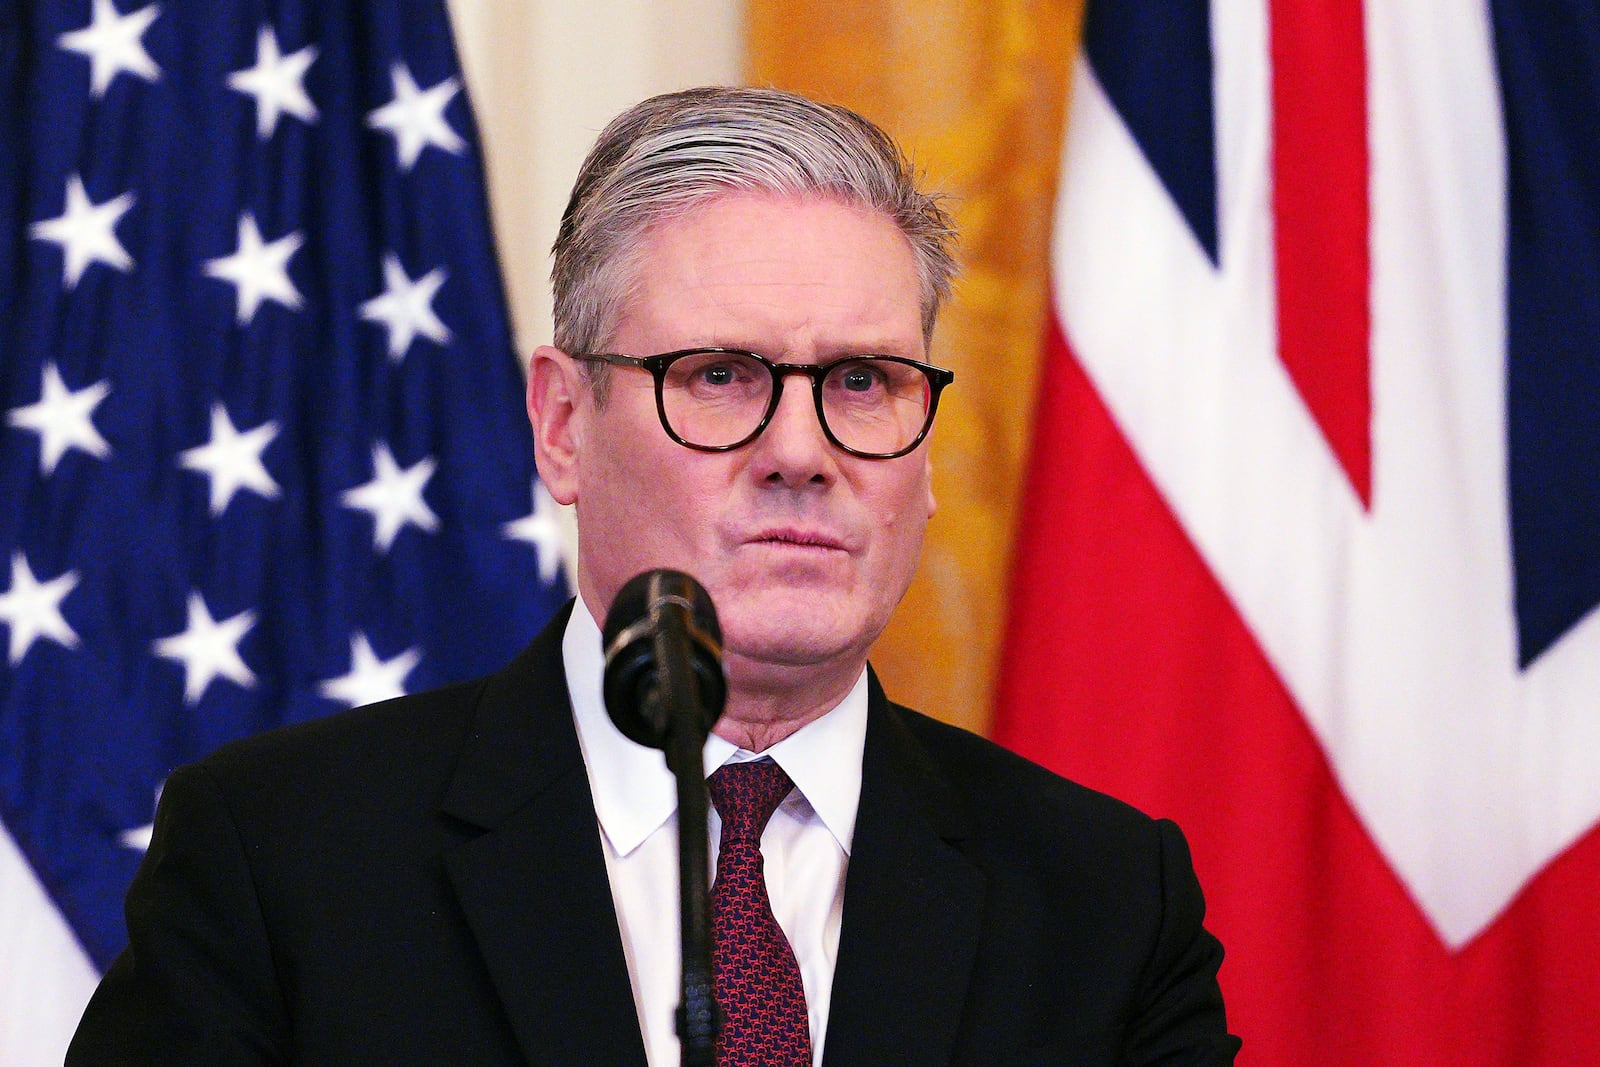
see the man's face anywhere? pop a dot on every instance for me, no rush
(805, 549)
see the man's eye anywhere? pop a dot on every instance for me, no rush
(860, 378)
(718, 374)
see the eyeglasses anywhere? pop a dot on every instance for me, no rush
(719, 399)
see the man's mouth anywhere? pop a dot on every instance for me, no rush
(797, 538)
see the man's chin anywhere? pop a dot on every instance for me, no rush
(790, 633)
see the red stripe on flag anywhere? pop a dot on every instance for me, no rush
(1127, 668)
(1320, 207)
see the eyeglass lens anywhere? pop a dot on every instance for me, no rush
(716, 399)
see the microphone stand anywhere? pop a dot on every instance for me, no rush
(678, 692)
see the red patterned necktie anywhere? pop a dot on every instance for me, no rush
(757, 978)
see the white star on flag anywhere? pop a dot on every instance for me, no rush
(394, 496)
(370, 679)
(138, 837)
(415, 117)
(86, 232)
(277, 82)
(405, 307)
(31, 609)
(258, 271)
(112, 43)
(232, 460)
(63, 419)
(208, 649)
(542, 529)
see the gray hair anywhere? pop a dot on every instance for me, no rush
(664, 157)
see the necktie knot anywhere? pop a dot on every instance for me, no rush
(746, 795)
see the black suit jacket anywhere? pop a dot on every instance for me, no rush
(422, 881)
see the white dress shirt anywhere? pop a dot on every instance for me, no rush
(806, 846)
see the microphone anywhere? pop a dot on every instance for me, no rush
(664, 688)
(663, 656)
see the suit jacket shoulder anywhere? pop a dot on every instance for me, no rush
(995, 779)
(997, 913)
(419, 881)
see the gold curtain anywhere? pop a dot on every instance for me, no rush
(975, 90)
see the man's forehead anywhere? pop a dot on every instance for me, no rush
(789, 277)
(721, 236)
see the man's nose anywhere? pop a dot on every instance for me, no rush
(796, 447)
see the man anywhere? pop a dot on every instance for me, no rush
(745, 286)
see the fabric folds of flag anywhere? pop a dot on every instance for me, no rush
(1310, 542)
(262, 454)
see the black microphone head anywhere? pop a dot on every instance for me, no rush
(629, 640)
(633, 600)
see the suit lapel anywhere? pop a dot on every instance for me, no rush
(533, 885)
(912, 908)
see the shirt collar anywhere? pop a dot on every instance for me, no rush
(634, 794)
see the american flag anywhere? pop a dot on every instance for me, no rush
(1311, 558)
(262, 454)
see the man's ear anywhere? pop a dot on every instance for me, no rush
(554, 392)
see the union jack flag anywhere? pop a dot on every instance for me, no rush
(1312, 546)
(262, 453)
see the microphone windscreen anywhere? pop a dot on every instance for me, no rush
(670, 606)
(633, 602)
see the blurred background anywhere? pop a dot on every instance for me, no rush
(1266, 487)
